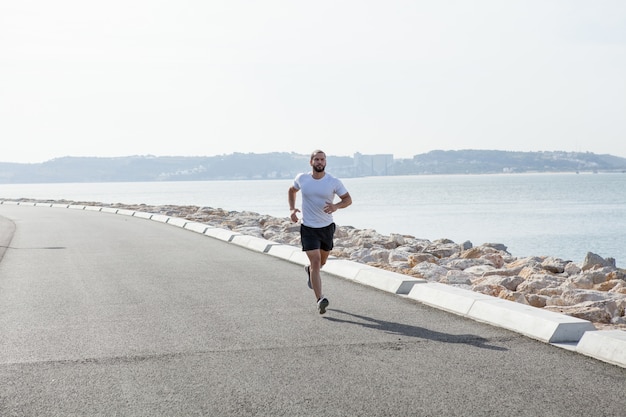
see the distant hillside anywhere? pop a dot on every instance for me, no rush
(287, 165)
(480, 162)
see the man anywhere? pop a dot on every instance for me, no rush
(318, 228)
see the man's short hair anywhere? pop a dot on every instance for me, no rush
(315, 152)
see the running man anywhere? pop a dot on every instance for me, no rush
(317, 228)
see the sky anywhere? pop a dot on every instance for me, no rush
(206, 77)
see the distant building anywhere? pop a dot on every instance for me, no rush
(373, 165)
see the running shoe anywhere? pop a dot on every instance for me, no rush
(322, 303)
(307, 269)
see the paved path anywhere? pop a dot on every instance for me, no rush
(109, 315)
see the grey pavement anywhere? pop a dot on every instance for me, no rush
(110, 315)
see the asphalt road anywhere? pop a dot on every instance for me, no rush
(110, 315)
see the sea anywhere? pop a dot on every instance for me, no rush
(564, 215)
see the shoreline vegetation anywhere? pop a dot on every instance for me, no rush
(592, 289)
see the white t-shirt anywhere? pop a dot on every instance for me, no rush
(315, 195)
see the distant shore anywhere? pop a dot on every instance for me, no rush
(285, 165)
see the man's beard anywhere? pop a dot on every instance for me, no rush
(319, 168)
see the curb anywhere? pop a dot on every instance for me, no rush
(559, 330)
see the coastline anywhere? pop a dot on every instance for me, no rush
(594, 289)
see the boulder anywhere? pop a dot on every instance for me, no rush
(394, 241)
(461, 263)
(536, 282)
(537, 300)
(456, 277)
(418, 258)
(593, 311)
(554, 265)
(507, 271)
(572, 269)
(479, 270)
(619, 288)
(509, 282)
(466, 245)
(429, 271)
(397, 255)
(593, 260)
(443, 249)
(497, 246)
(589, 278)
(608, 285)
(515, 296)
(493, 290)
(577, 296)
(525, 262)
(472, 253)
(494, 259)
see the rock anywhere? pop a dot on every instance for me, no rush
(592, 260)
(510, 283)
(537, 282)
(581, 281)
(493, 290)
(595, 276)
(505, 271)
(497, 246)
(461, 264)
(251, 230)
(554, 265)
(394, 241)
(479, 270)
(528, 271)
(572, 269)
(380, 255)
(607, 286)
(537, 300)
(416, 259)
(620, 321)
(472, 253)
(578, 296)
(619, 288)
(429, 271)
(593, 311)
(518, 297)
(399, 266)
(456, 277)
(399, 255)
(494, 259)
(616, 275)
(524, 262)
(481, 252)
(443, 249)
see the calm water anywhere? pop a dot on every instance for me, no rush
(563, 215)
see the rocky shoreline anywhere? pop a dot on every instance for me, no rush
(593, 289)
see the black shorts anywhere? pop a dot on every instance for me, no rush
(317, 238)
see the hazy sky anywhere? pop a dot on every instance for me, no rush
(203, 77)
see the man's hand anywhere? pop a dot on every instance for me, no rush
(294, 215)
(330, 208)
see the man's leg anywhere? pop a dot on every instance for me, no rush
(324, 256)
(315, 260)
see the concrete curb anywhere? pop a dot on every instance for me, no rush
(606, 345)
(539, 324)
(557, 329)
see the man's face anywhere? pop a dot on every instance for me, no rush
(319, 162)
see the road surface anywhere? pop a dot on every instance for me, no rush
(110, 315)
